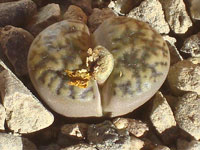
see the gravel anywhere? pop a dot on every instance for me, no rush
(169, 120)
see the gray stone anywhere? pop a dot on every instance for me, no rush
(46, 16)
(105, 136)
(15, 43)
(150, 11)
(25, 113)
(184, 76)
(176, 15)
(11, 142)
(16, 13)
(2, 117)
(191, 45)
(187, 114)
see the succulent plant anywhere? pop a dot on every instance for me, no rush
(111, 72)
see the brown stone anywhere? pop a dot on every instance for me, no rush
(98, 16)
(15, 43)
(50, 147)
(86, 5)
(76, 13)
(16, 13)
(100, 3)
(46, 16)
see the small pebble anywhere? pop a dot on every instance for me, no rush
(85, 5)
(184, 76)
(76, 13)
(100, 3)
(176, 15)
(46, 16)
(149, 144)
(136, 144)
(15, 43)
(150, 11)
(191, 45)
(187, 114)
(82, 146)
(24, 112)
(78, 130)
(98, 16)
(16, 13)
(105, 136)
(11, 142)
(152, 139)
(135, 127)
(162, 118)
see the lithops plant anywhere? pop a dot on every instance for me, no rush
(112, 72)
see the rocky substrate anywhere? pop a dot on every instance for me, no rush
(170, 120)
